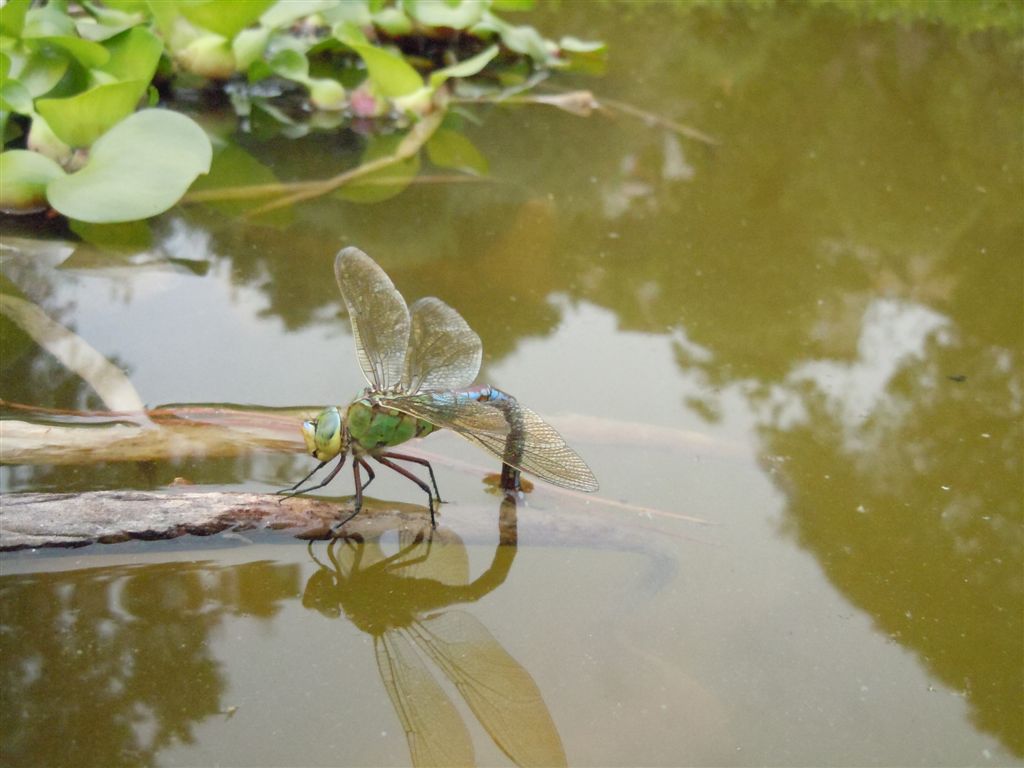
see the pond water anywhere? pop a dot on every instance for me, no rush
(792, 359)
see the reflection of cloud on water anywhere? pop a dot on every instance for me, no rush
(893, 333)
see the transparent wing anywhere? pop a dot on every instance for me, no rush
(505, 429)
(450, 411)
(380, 319)
(433, 728)
(444, 352)
(502, 695)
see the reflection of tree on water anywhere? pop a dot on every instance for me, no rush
(402, 600)
(108, 666)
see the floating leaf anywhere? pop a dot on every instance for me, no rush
(47, 21)
(524, 39)
(15, 97)
(208, 56)
(134, 55)
(103, 23)
(23, 179)
(249, 45)
(443, 13)
(225, 19)
(12, 19)
(140, 168)
(283, 14)
(392, 21)
(451, 149)
(87, 53)
(43, 140)
(392, 74)
(466, 68)
(81, 119)
(42, 70)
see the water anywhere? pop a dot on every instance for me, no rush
(792, 360)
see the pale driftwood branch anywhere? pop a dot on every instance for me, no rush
(75, 519)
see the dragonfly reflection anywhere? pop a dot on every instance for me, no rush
(402, 600)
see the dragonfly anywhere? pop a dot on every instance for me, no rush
(420, 363)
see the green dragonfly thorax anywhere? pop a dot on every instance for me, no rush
(367, 426)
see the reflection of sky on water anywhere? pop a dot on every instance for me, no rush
(892, 334)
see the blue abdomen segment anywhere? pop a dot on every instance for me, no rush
(515, 442)
(484, 393)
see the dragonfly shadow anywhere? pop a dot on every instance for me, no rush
(404, 601)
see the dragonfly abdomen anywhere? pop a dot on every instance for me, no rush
(372, 426)
(509, 406)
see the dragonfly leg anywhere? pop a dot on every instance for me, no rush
(331, 475)
(316, 469)
(383, 458)
(423, 462)
(360, 487)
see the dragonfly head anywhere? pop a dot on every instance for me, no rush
(326, 436)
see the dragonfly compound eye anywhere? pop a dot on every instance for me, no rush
(324, 435)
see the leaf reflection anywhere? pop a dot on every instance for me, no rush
(403, 601)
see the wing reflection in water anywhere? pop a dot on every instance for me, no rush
(403, 600)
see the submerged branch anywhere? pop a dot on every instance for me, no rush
(409, 146)
(664, 122)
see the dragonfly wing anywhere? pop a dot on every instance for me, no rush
(502, 694)
(534, 446)
(380, 318)
(433, 727)
(507, 430)
(444, 352)
(451, 411)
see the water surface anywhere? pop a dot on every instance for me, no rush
(792, 359)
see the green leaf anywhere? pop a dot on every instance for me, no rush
(108, 21)
(290, 64)
(466, 68)
(249, 45)
(42, 139)
(208, 56)
(575, 45)
(42, 70)
(140, 168)
(525, 40)
(47, 21)
(86, 52)
(81, 119)
(439, 13)
(392, 21)
(285, 12)
(12, 17)
(226, 19)
(392, 75)
(15, 97)
(134, 54)
(23, 179)
(354, 12)
(451, 149)
(387, 182)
